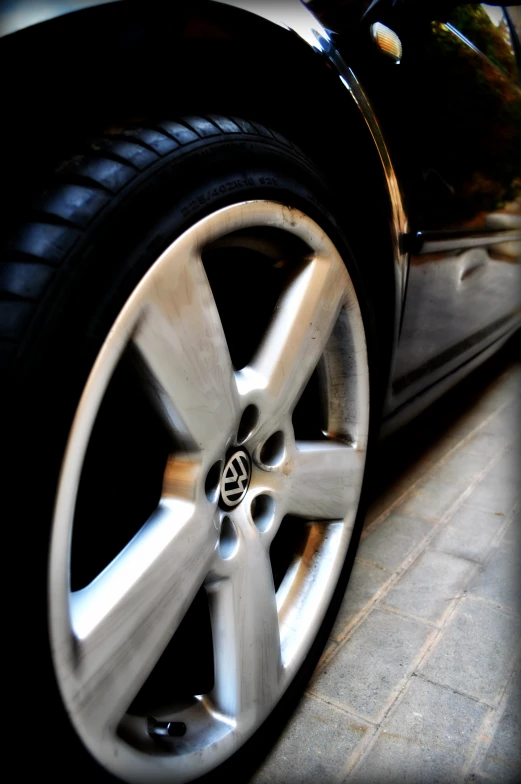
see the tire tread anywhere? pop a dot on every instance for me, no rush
(83, 188)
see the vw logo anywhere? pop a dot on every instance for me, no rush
(235, 479)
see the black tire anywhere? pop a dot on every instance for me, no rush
(66, 273)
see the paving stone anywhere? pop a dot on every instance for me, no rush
(497, 395)
(503, 758)
(499, 580)
(431, 499)
(400, 486)
(430, 585)
(512, 534)
(364, 582)
(425, 740)
(471, 420)
(506, 422)
(469, 533)
(491, 494)
(329, 649)
(313, 747)
(510, 378)
(476, 778)
(475, 653)
(391, 541)
(462, 467)
(368, 668)
(389, 497)
(507, 471)
(488, 444)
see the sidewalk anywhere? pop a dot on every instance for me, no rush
(421, 680)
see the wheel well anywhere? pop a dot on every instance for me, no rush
(126, 61)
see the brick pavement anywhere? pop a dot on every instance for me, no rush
(421, 677)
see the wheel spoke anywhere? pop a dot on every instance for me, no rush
(297, 335)
(325, 480)
(181, 340)
(126, 616)
(246, 632)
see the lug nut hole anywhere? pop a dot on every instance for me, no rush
(272, 451)
(211, 485)
(248, 423)
(263, 511)
(229, 540)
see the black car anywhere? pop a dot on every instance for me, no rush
(241, 241)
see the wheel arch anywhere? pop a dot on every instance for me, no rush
(126, 61)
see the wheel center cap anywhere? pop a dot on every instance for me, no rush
(235, 479)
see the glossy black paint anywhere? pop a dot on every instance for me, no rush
(449, 113)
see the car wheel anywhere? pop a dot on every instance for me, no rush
(187, 343)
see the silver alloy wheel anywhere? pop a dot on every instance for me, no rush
(107, 637)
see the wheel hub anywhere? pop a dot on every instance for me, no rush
(235, 479)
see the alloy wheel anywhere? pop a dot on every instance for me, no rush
(237, 477)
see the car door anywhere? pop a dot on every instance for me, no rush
(464, 279)
(450, 111)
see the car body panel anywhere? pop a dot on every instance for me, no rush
(463, 169)
(455, 236)
(17, 15)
